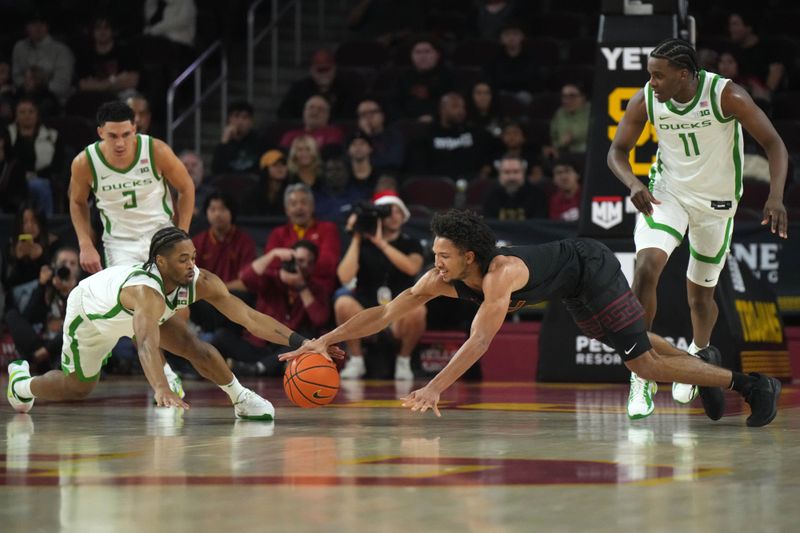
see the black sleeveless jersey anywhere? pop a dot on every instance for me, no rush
(570, 268)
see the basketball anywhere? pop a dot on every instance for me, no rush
(311, 380)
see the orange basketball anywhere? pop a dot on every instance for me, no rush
(311, 381)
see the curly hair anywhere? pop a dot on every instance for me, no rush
(468, 232)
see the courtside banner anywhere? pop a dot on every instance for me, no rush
(620, 71)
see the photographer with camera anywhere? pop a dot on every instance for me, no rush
(37, 328)
(290, 295)
(380, 263)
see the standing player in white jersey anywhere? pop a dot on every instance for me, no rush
(695, 183)
(129, 175)
(141, 300)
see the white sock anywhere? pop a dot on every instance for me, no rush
(23, 388)
(356, 359)
(233, 389)
(693, 348)
(403, 360)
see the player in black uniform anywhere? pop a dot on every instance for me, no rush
(585, 274)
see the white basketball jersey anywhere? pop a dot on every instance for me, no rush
(699, 157)
(134, 202)
(102, 306)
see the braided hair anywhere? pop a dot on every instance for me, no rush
(163, 241)
(679, 53)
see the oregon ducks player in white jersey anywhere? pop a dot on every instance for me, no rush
(695, 184)
(129, 175)
(142, 300)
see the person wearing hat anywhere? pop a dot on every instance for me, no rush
(322, 80)
(39, 49)
(267, 199)
(380, 266)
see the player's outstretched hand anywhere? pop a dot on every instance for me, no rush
(314, 346)
(90, 260)
(642, 198)
(423, 399)
(775, 216)
(166, 398)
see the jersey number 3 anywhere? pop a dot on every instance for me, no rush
(686, 137)
(131, 203)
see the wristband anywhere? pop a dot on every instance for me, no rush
(296, 340)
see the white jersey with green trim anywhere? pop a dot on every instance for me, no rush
(101, 304)
(700, 151)
(134, 202)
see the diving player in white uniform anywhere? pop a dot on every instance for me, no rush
(129, 175)
(142, 300)
(695, 183)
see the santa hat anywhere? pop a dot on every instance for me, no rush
(391, 198)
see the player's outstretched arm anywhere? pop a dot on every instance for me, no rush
(375, 319)
(176, 174)
(80, 185)
(628, 132)
(148, 306)
(736, 102)
(212, 289)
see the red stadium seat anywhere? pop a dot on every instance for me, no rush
(435, 192)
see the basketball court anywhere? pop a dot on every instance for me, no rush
(503, 457)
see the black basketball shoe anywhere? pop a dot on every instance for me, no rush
(763, 399)
(713, 398)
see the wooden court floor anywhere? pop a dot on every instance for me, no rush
(503, 457)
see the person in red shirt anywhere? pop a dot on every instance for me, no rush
(289, 295)
(565, 200)
(223, 248)
(299, 205)
(316, 114)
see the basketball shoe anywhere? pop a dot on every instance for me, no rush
(174, 381)
(763, 399)
(402, 369)
(251, 406)
(712, 397)
(354, 368)
(682, 392)
(18, 370)
(640, 399)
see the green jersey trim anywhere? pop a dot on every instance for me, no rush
(737, 161)
(159, 177)
(76, 353)
(107, 224)
(720, 254)
(649, 104)
(714, 107)
(91, 167)
(663, 227)
(121, 170)
(700, 82)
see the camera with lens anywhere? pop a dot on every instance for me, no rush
(289, 266)
(367, 216)
(63, 273)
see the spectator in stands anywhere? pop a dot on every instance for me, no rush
(305, 163)
(143, 117)
(363, 174)
(482, 110)
(419, 89)
(106, 65)
(290, 294)
(316, 114)
(13, 185)
(728, 66)
(39, 49)
(514, 143)
(37, 328)
(30, 247)
(388, 144)
(513, 198)
(339, 194)
(196, 169)
(223, 248)
(755, 59)
(378, 266)
(565, 201)
(39, 149)
(493, 15)
(7, 92)
(175, 20)
(35, 88)
(569, 129)
(240, 147)
(514, 70)
(267, 198)
(323, 81)
(302, 225)
(453, 149)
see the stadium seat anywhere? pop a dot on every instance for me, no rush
(238, 186)
(85, 103)
(475, 53)
(273, 131)
(476, 192)
(545, 50)
(466, 77)
(435, 192)
(362, 54)
(510, 107)
(537, 132)
(544, 105)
